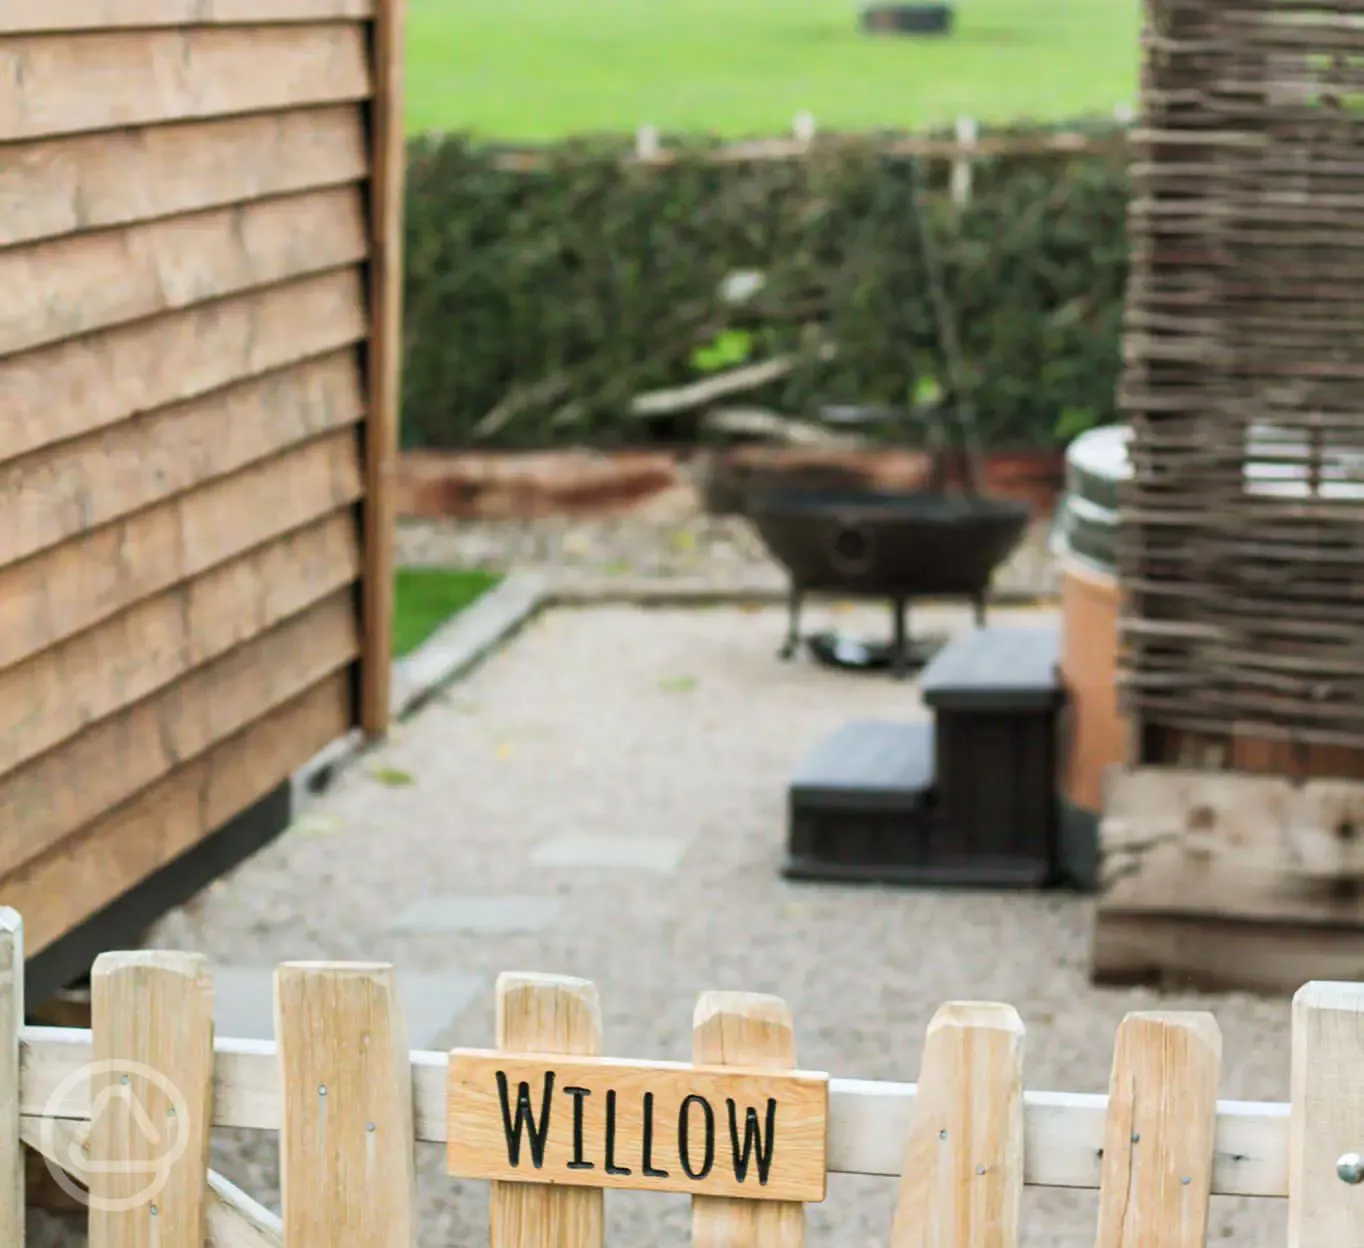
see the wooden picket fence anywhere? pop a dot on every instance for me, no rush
(348, 1101)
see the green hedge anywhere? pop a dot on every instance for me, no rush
(551, 297)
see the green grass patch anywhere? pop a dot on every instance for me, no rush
(424, 598)
(544, 69)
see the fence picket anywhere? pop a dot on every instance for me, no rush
(151, 1099)
(346, 1152)
(11, 1020)
(559, 1015)
(1156, 1183)
(1325, 1193)
(752, 1030)
(962, 1182)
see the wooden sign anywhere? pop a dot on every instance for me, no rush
(652, 1126)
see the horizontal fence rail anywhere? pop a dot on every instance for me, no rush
(961, 147)
(122, 1113)
(868, 1119)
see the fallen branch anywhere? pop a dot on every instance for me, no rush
(735, 381)
(756, 422)
(546, 391)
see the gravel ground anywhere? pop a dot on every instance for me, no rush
(669, 537)
(681, 727)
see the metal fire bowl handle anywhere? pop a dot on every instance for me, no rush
(851, 550)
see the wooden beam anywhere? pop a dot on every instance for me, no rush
(86, 384)
(92, 578)
(108, 764)
(36, 16)
(95, 281)
(62, 888)
(11, 1024)
(387, 161)
(57, 694)
(869, 1122)
(82, 485)
(59, 186)
(174, 75)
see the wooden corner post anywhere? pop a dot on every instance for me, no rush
(384, 363)
(1326, 1132)
(11, 1020)
(756, 1032)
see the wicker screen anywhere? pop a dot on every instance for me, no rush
(1242, 539)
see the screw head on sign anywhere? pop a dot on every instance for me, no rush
(1350, 1168)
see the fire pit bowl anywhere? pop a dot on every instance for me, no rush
(889, 545)
(886, 545)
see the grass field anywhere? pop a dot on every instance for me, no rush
(424, 598)
(541, 69)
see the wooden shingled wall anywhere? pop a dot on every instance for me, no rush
(200, 206)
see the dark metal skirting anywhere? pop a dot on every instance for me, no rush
(120, 924)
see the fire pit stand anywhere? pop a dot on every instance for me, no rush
(903, 654)
(895, 546)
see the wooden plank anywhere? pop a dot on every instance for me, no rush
(78, 486)
(153, 1085)
(869, 1121)
(552, 1014)
(64, 887)
(345, 1148)
(90, 182)
(962, 1179)
(1328, 1107)
(647, 1126)
(388, 161)
(54, 695)
(1209, 953)
(1158, 1144)
(85, 384)
(69, 84)
(233, 1219)
(48, 15)
(98, 770)
(1311, 830)
(12, 1170)
(754, 1031)
(81, 583)
(94, 281)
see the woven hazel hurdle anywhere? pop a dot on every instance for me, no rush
(1242, 539)
(553, 1124)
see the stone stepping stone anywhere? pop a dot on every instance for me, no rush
(610, 852)
(244, 999)
(484, 916)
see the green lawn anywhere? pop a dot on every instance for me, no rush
(540, 69)
(424, 598)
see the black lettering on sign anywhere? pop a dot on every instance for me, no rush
(611, 1167)
(579, 1095)
(683, 1136)
(648, 1149)
(753, 1140)
(525, 1118)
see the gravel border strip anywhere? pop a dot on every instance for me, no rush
(464, 641)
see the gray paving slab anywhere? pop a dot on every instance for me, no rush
(244, 1002)
(483, 916)
(633, 853)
